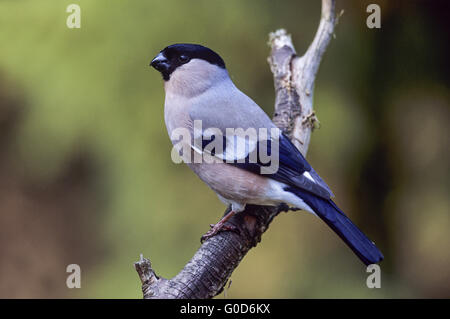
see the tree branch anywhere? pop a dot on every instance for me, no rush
(206, 274)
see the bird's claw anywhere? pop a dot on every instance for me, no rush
(215, 229)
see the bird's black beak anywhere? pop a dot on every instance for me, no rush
(160, 63)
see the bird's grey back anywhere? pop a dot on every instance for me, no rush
(225, 106)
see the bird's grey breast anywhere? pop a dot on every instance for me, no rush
(176, 113)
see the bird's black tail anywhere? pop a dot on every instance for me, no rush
(328, 211)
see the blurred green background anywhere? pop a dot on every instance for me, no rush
(85, 169)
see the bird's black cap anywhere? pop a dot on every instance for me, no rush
(175, 55)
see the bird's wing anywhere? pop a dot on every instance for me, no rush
(215, 114)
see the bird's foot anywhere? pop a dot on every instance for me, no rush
(220, 226)
(215, 229)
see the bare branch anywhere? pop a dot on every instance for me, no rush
(294, 78)
(206, 274)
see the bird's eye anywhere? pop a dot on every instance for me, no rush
(183, 58)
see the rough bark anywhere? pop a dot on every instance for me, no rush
(206, 274)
